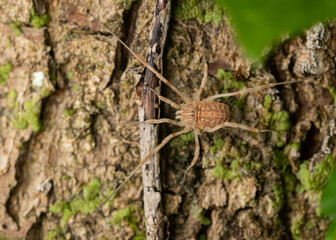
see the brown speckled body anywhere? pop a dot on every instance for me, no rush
(202, 115)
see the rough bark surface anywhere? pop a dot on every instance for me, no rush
(87, 90)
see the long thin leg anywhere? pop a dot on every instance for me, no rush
(151, 154)
(204, 80)
(162, 98)
(258, 88)
(140, 59)
(237, 125)
(205, 73)
(158, 121)
(196, 155)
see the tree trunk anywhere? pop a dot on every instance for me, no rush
(65, 145)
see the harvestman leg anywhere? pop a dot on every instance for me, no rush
(236, 125)
(161, 120)
(258, 88)
(196, 130)
(205, 74)
(162, 98)
(143, 61)
(151, 154)
(204, 80)
(196, 155)
(197, 148)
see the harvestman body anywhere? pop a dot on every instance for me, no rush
(193, 115)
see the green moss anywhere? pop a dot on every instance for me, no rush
(180, 145)
(198, 214)
(101, 105)
(4, 72)
(77, 87)
(218, 145)
(240, 103)
(15, 26)
(92, 190)
(277, 221)
(32, 113)
(8, 43)
(29, 116)
(38, 21)
(86, 203)
(221, 171)
(45, 92)
(70, 75)
(57, 207)
(295, 145)
(66, 177)
(317, 179)
(55, 233)
(281, 160)
(223, 75)
(280, 121)
(279, 197)
(252, 165)
(54, 76)
(204, 11)
(333, 92)
(268, 102)
(69, 112)
(230, 82)
(304, 176)
(322, 171)
(309, 225)
(290, 183)
(127, 3)
(67, 214)
(20, 122)
(121, 215)
(188, 137)
(11, 99)
(128, 215)
(296, 227)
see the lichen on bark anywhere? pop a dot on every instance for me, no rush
(89, 80)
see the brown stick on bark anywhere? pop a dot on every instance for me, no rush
(149, 133)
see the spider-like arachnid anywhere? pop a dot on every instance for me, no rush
(194, 114)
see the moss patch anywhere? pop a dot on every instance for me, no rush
(230, 82)
(280, 121)
(128, 215)
(15, 26)
(198, 213)
(38, 21)
(204, 11)
(29, 116)
(4, 72)
(227, 173)
(317, 179)
(86, 203)
(180, 145)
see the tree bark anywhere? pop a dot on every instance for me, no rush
(75, 87)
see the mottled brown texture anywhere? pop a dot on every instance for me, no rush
(95, 79)
(204, 114)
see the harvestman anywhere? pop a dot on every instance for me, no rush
(193, 114)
